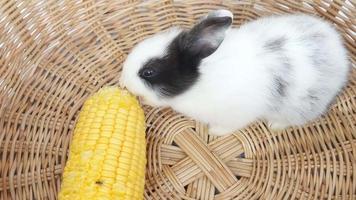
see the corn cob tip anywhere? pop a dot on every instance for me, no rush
(107, 153)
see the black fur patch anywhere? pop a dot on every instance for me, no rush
(176, 71)
(314, 42)
(276, 47)
(281, 79)
(275, 44)
(281, 85)
(312, 96)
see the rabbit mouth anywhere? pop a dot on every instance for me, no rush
(143, 101)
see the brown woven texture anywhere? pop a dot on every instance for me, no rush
(54, 54)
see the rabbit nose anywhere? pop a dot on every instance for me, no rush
(141, 99)
(122, 84)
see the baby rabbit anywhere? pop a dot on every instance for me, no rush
(283, 69)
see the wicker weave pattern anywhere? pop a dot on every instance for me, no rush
(54, 54)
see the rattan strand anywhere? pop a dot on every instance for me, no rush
(54, 54)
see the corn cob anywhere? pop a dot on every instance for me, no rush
(107, 154)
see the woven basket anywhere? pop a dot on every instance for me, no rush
(54, 54)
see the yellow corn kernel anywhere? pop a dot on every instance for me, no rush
(107, 155)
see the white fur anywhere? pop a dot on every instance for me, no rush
(232, 90)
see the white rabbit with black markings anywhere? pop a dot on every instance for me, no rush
(286, 70)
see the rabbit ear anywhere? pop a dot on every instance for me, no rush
(207, 35)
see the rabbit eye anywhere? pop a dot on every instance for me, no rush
(147, 73)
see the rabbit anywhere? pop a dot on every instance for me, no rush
(285, 70)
